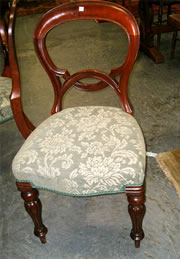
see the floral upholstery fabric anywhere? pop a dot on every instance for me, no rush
(5, 107)
(83, 151)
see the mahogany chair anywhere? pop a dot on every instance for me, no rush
(5, 78)
(10, 86)
(88, 150)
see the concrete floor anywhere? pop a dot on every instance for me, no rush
(95, 227)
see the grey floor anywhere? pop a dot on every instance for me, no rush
(95, 227)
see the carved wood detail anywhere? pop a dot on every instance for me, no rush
(34, 208)
(136, 208)
(93, 10)
(11, 70)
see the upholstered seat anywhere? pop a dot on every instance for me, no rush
(5, 106)
(83, 151)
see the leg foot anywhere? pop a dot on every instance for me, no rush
(137, 243)
(136, 210)
(33, 206)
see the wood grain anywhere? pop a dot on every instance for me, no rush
(170, 164)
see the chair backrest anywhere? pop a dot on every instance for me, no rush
(88, 10)
(23, 123)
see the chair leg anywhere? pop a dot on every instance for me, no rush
(33, 206)
(136, 208)
(158, 41)
(173, 44)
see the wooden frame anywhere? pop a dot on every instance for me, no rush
(136, 208)
(11, 69)
(94, 10)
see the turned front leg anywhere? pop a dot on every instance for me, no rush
(33, 206)
(136, 208)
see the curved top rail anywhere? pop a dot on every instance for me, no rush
(93, 9)
(87, 10)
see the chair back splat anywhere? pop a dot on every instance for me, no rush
(89, 10)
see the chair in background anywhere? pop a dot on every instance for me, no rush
(88, 150)
(5, 79)
(174, 21)
(165, 7)
(10, 79)
(149, 29)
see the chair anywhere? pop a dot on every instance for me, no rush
(169, 4)
(5, 79)
(10, 87)
(174, 21)
(91, 150)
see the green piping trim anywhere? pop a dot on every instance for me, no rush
(9, 118)
(79, 195)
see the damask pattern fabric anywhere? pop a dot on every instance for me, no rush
(83, 151)
(5, 107)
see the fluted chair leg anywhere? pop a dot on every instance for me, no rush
(136, 208)
(33, 206)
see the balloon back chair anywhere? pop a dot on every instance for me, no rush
(10, 86)
(89, 150)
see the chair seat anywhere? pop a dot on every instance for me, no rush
(83, 151)
(5, 106)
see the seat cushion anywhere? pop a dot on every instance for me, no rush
(5, 107)
(83, 151)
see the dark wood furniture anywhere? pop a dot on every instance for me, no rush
(148, 30)
(34, 7)
(11, 70)
(93, 10)
(174, 21)
(28, 7)
(4, 9)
